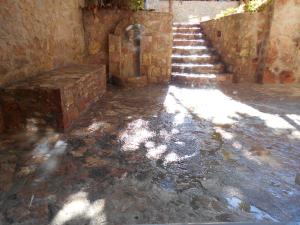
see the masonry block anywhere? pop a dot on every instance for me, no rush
(54, 99)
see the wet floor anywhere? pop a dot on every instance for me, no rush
(161, 154)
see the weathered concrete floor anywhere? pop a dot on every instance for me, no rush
(160, 155)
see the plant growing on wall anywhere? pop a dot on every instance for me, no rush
(227, 12)
(95, 4)
(132, 4)
(256, 5)
(249, 6)
(136, 5)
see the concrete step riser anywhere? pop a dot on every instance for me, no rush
(190, 43)
(192, 82)
(186, 25)
(188, 37)
(192, 51)
(188, 68)
(187, 31)
(195, 60)
(200, 81)
(200, 70)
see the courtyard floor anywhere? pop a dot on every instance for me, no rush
(161, 154)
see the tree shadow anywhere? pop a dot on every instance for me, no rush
(131, 159)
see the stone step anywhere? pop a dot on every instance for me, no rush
(192, 50)
(180, 35)
(195, 80)
(204, 58)
(191, 30)
(190, 42)
(186, 25)
(198, 68)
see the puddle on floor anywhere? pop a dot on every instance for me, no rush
(167, 184)
(236, 203)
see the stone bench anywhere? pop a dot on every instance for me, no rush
(54, 99)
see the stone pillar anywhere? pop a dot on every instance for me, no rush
(114, 56)
(146, 55)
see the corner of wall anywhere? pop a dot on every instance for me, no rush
(264, 46)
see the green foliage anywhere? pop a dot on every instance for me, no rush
(137, 5)
(256, 5)
(227, 12)
(251, 6)
(128, 4)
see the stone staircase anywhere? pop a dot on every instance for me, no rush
(194, 61)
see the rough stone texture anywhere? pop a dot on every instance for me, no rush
(262, 47)
(1, 121)
(283, 52)
(158, 155)
(195, 11)
(36, 36)
(54, 99)
(239, 39)
(156, 43)
(297, 179)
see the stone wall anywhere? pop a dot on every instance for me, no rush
(1, 121)
(282, 64)
(157, 25)
(196, 11)
(38, 35)
(260, 47)
(238, 39)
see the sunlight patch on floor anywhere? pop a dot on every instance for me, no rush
(174, 157)
(295, 118)
(214, 105)
(136, 133)
(238, 204)
(78, 206)
(48, 154)
(95, 126)
(155, 152)
(225, 134)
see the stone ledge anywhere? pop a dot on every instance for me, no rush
(53, 99)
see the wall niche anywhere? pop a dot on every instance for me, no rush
(130, 54)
